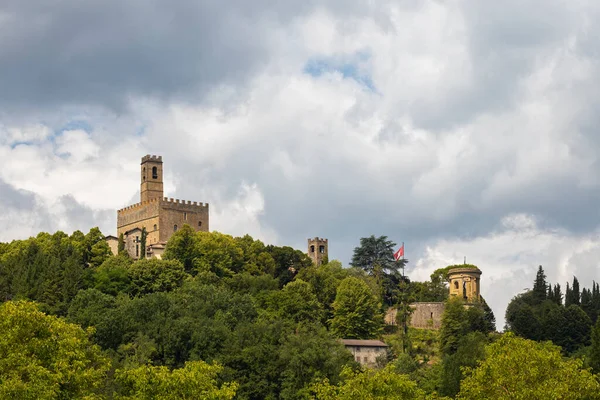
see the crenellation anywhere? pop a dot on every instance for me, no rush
(149, 157)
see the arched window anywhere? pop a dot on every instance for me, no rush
(321, 249)
(144, 174)
(455, 284)
(175, 228)
(154, 173)
(312, 248)
(185, 216)
(199, 223)
(155, 227)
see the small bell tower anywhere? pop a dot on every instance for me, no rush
(152, 178)
(318, 250)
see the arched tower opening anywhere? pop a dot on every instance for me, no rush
(152, 178)
(465, 282)
(318, 250)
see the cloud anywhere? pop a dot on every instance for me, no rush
(434, 123)
(509, 257)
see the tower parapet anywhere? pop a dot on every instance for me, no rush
(465, 282)
(318, 250)
(151, 184)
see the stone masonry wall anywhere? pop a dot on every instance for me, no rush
(179, 212)
(140, 215)
(427, 315)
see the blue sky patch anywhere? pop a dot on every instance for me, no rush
(349, 68)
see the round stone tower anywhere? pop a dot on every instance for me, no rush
(464, 282)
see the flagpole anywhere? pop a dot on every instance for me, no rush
(403, 259)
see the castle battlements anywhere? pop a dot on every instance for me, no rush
(183, 204)
(168, 201)
(138, 205)
(149, 157)
(317, 239)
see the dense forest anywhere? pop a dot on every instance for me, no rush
(222, 317)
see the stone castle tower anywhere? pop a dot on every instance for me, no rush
(465, 283)
(160, 216)
(151, 186)
(318, 250)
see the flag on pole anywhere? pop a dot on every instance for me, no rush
(399, 253)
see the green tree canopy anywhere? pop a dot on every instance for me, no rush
(44, 357)
(385, 384)
(516, 368)
(153, 275)
(196, 380)
(356, 311)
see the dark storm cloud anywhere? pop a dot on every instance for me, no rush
(105, 52)
(13, 199)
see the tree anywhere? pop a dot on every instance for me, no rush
(369, 385)
(44, 357)
(297, 302)
(183, 247)
(375, 255)
(112, 276)
(152, 275)
(143, 243)
(470, 350)
(573, 296)
(121, 244)
(309, 352)
(557, 295)
(457, 322)
(516, 368)
(324, 280)
(356, 311)
(196, 380)
(595, 349)
(540, 286)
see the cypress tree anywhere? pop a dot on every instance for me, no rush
(568, 296)
(121, 244)
(595, 348)
(539, 286)
(143, 244)
(575, 292)
(557, 296)
(586, 303)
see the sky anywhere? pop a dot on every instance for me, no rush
(461, 128)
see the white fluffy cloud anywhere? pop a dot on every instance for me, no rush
(415, 120)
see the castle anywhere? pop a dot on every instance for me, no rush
(159, 216)
(464, 282)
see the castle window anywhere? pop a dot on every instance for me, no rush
(155, 227)
(175, 228)
(199, 223)
(144, 173)
(312, 248)
(154, 173)
(185, 216)
(455, 284)
(321, 249)
(137, 250)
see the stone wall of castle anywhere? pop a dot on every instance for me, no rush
(424, 315)
(174, 213)
(141, 215)
(162, 218)
(427, 315)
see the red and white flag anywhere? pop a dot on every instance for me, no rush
(399, 253)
